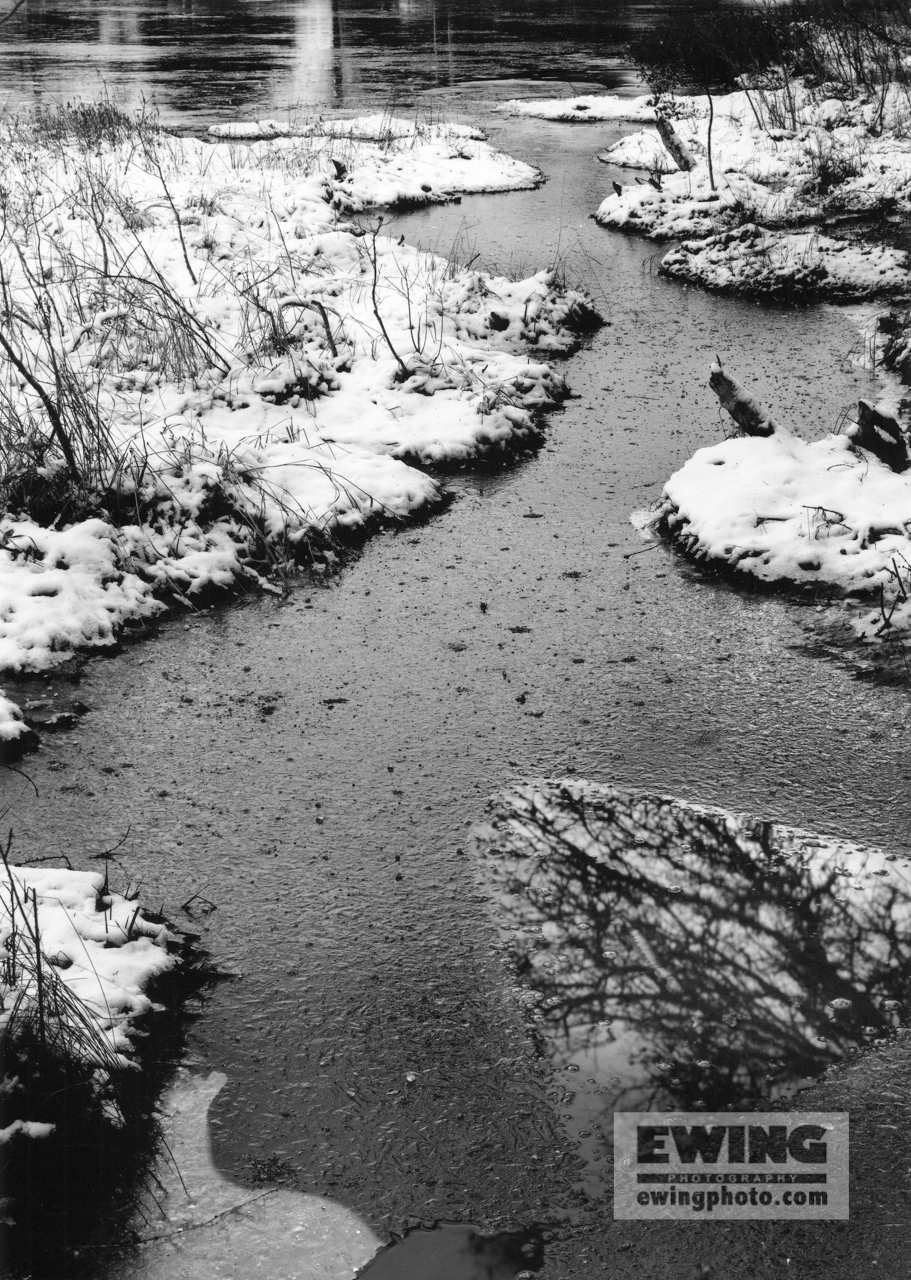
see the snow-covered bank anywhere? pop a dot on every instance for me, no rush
(757, 262)
(78, 958)
(81, 1032)
(210, 362)
(780, 184)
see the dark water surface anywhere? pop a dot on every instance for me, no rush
(204, 59)
(452, 1251)
(313, 767)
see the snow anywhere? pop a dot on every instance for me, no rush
(62, 590)
(588, 108)
(82, 955)
(756, 262)
(787, 511)
(261, 376)
(640, 150)
(799, 181)
(373, 128)
(387, 161)
(12, 726)
(28, 1128)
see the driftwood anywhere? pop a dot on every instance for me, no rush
(750, 416)
(674, 144)
(880, 434)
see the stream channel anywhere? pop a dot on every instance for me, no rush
(312, 767)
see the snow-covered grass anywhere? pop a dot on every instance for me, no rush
(82, 968)
(782, 510)
(806, 195)
(760, 263)
(381, 127)
(209, 370)
(77, 959)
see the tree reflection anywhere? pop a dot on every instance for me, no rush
(729, 956)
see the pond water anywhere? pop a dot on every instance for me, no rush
(311, 768)
(455, 1251)
(199, 59)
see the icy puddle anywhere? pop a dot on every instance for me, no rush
(676, 956)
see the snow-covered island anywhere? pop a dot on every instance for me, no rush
(833, 513)
(586, 108)
(786, 193)
(211, 370)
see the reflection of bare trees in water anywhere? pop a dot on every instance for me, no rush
(738, 955)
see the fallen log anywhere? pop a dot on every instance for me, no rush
(674, 144)
(749, 415)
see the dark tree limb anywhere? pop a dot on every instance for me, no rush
(17, 5)
(749, 415)
(50, 408)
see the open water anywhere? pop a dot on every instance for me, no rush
(312, 769)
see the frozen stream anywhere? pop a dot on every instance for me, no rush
(313, 767)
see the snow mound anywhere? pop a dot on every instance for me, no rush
(378, 161)
(588, 108)
(640, 150)
(784, 510)
(63, 589)
(12, 726)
